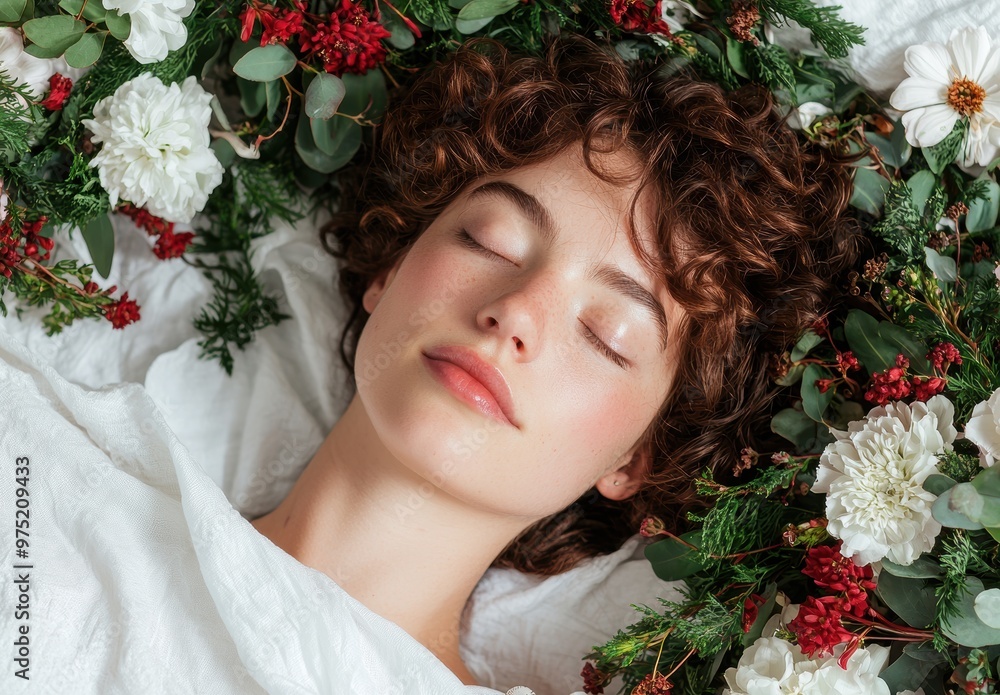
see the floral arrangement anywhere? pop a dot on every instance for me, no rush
(860, 555)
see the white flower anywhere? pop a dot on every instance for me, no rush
(34, 73)
(873, 476)
(947, 83)
(157, 26)
(805, 114)
(983, 428)
(156, 150)
(676, 13)
(772, 666)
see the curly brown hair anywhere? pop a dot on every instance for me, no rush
(758, 217)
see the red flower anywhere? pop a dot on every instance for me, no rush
(652, 526)
(847, 362)
(59, 90)
(122, 312)
(636, 15)
(750, 612)
(280, 27)
(171, 245)
(924, 389)
(144, 220)
(831, 570)
(890, 385)
(593, 679)
(943, 355)
(350, 41)
(818, 627)
(653, 684)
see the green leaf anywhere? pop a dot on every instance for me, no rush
(672, 560)
(362, 89)
(987, 482)
(912, 600)
(966, 628)
(869, 191)
(814, 403)
(401, 36)
(323, 96)
(54, 33)
(862, 333)
(252, 96)
(265, 63)
(315, 158)
(938, 484)
(481, 9)
(908, 672)
(894, 150)
(982, 214)
(737, 59)
(770, 596)
(100, 238)
(900, 338)
(944, 268)
(945, 152)
(93, 11)
(797, 427)
(921, 184)
(120, 25)
(924, 567)
(959, 507)
(87, 50)
(11, 10)
(807, 342)
(331, 135)
(272, 96)
(792, 377)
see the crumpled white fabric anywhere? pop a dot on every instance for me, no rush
(142, 578)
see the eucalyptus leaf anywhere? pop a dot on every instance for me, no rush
(944, 267)
(869, 191)
(987, 482)
(921, 185)
(924, 567)
(55, 32)
(401, 36)
(815, 402)
(272, 97)
(93, 10)
(87, 50)
(908, 673)
(913, 600)
(11, 10)
(471, 26)
(967, 628)
(807, 342)
(481, 9)
(938, 484)
(120, 25)
(792, 377)
(266, 63)
(952, 509)
(672, 560)
(737, 58)
(862, 333)
(252, 96)
(987, 605)
(323, 96)
(797, 427)
(100, 237)
(982, 214)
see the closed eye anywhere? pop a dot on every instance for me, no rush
(602, 346)
(466, 240)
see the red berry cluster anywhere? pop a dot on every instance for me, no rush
(594, 679)
(347, 40)
(29, 237)
(169, 244)
(121, 312)
(637, 16)
(895, 383)
(59, 91)
(819, 626)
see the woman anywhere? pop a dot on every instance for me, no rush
(566, 282)
(614, 256)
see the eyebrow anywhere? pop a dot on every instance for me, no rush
(609, 276)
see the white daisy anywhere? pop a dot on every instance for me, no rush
(946, 83)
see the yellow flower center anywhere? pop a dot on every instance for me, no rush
(965, 96)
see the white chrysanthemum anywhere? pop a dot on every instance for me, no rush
(983, 428)
(945, 83)
(772, 666)
(804, 114)
(157, 26)
(156, 151)
(676, 13)
(873, 478)
(26, 69)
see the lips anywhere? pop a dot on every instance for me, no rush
(483, 385)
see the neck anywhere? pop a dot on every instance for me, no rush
(403, 547)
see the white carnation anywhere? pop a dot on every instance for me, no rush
(983, 428)
(873, 478)
(157, 26)
(156, 151)
(772, 666)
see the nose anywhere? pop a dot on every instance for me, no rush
(517, 314)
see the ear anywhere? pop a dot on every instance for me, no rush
(379, 285)
(630, 476)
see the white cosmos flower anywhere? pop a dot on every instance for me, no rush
(772, 666)
(873, 477)
(156, 151)
(157, 26)
(983, 428)
(945, 83)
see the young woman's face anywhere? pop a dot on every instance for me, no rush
(539, 311)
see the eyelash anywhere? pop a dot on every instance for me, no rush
(466, 240)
